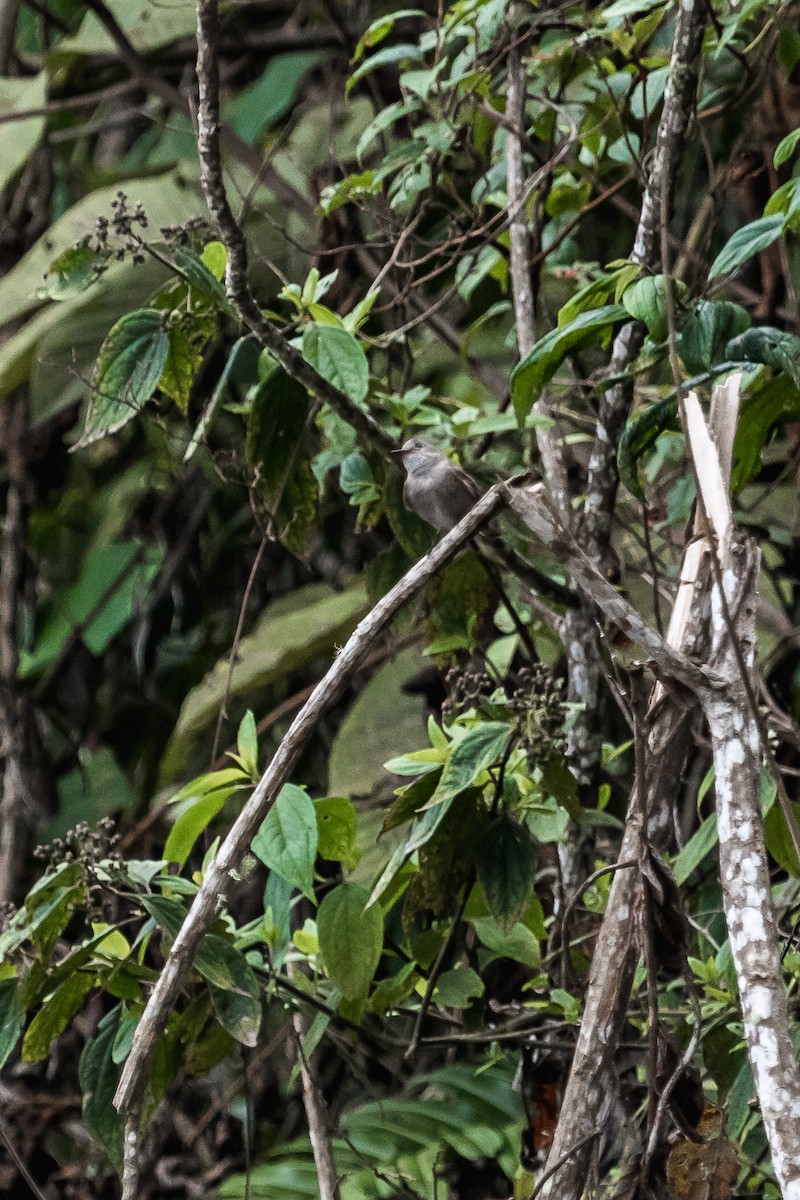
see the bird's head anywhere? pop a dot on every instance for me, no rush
(416, 452)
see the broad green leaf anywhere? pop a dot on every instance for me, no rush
(128, 369)
(55, 1015)
(518, 943)
(405, 52)
(233, 986)
(284, 487)
(745, 243)
(188, 341)
(458, 987)
(777, 402)
(292, 632)
(645, 300)
(264, 102)
(99, 1075)
(215, 257)
(774, 347)
(73, 271)
(147, 26)
(786, 148)
(481, 747)
(338, 357)
(19, 138)
(337, 822)
(12, 1018)
(506, 870)
(640, 435)
(530, 376)
(287, 840)
(192, 822)
(111, 589)
(200, 278)
(707, 331)
(350, 938)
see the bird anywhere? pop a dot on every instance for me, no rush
(436, 489)
(440, 492)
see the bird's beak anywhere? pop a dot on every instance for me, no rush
(399, 450)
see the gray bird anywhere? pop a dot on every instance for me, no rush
(435, 488)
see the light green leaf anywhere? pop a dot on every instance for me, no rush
(350, 938)
(268, 99)
(786, 148)
(247, 743)
(192, 822)
(287, 840)
(76, 269)
(337, 823)
(128, 369)
(18, 138)
(481, 747)
(645, 300)
(745, 243)
(338, 357)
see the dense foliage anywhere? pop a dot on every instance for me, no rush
(191, 534)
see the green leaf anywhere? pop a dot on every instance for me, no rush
(99, 1075)
(530, 376)
(12, 1018)
(55, 1015)
(481, 747)
(773, 404)
(284, 487)
(188, 340)
(380, 28)
(506, 870)
(112, 586)
(786, 148)
(192, 822)
(287, 840)
(639, 435)
(128, 369)
(350, 938)
(268, 99)
(518, 944)
(773, 347)
(337, 823)
(645, 300)
(72, 272)
(200, 278)
(707, 331)
(338, 357)
(18, 139)
(458, 987)
(749, 240)
(247, 744)
(233, 987)
(700, 844)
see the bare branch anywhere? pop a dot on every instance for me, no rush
(235, 846)
(615, 403)
(237, 274)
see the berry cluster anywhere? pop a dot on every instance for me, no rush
(83, 844)
(538, 704)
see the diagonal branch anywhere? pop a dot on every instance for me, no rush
(236, 844)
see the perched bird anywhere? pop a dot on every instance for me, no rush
(435, 488)
(440, 492)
